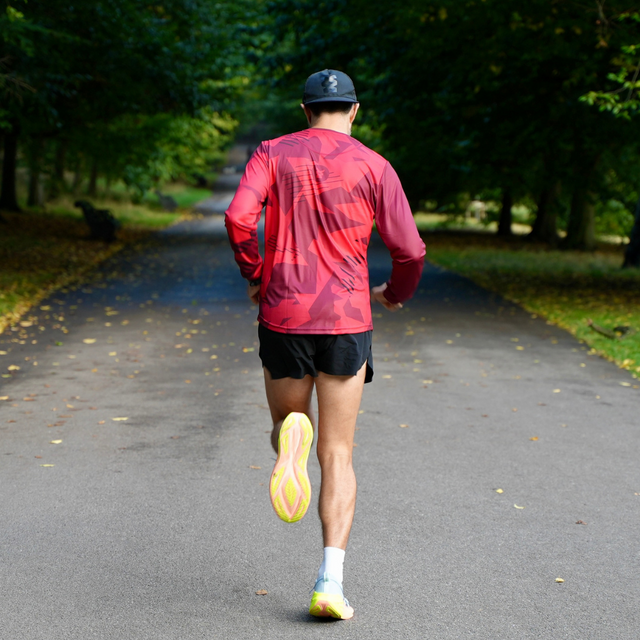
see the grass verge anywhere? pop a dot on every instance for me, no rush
(42, 252)
(566, 287)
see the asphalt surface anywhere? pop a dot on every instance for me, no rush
(150, 517)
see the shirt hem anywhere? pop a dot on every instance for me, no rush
(314, 331)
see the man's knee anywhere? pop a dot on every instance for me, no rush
(335, 456)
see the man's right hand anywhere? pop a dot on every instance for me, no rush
(377, 295)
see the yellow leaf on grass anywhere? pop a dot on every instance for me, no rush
(89, 340)
(56, 442)
(517, 507)
(119, 419)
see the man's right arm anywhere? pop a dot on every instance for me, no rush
(243, 214)
(397, 228)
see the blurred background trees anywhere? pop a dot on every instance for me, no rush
(530, 106)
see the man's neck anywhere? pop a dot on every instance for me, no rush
(333, 121)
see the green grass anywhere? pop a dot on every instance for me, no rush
(567, 288)
(43, 251)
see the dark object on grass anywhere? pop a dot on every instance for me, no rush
(102, 224)
(632, 252)
(167, 202)
(617, 333)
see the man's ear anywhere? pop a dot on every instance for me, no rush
(307, 112)
(354, 111)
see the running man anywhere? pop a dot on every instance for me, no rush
(322, 191)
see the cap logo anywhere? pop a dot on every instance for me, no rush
(330, 84)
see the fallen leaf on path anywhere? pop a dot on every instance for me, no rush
(38, 457)
(403, 426)
(514, 409)
(47, 465)
(187, 381)
(499, 491)
(262, 592)
(625, 384)
(519, 348)
(89, 340)
(386, 377)
(56, 442)
(119, 419)
(13, 367)
(559, 580)
(101, 422)
(252, 466)
(556, 391)
(247, 349)
(534, 438)
(581, 522)
(113, 353)
(517, 507)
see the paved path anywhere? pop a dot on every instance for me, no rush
(151, 518)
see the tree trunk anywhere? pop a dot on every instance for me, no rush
(544, 226)
(581, 227)
(78, 175)
(632, 252)
(504, 225)
(57, 179)
(35, 156)
(93, 179)
(8, 198)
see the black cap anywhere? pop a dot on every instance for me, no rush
(329, 86)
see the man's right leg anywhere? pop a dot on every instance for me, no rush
(289, 400)
(284, 396)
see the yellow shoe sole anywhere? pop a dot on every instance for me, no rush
(330, 605)
(290, 489)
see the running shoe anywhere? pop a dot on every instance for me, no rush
(290, 488)
(328, 600)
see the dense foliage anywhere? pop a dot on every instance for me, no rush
(121, 88)
(484, 99)
(532, 103)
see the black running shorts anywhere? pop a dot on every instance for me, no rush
(292, 355)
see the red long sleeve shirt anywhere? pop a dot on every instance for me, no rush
(322, 190)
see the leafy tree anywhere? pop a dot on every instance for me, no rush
(474, 95)
(96, 67)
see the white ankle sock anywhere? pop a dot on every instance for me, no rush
(332, 563)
